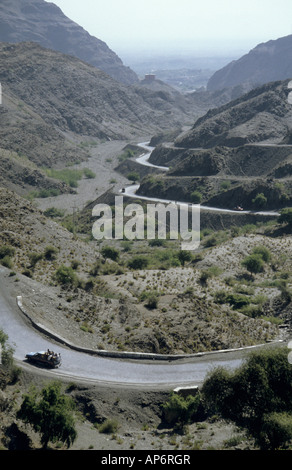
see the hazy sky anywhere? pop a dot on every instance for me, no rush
(206, 26)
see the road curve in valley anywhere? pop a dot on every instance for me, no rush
(81, 366)
(131, 190)
(93, 368)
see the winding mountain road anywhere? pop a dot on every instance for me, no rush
(131, 190)
(94, 368)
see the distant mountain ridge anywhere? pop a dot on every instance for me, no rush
(45, 24)
(267, 62)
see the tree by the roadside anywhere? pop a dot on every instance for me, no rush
(179, 409)
(257, 395)
(50, 413)
(9, 372)
(285, 217)
(260, 200)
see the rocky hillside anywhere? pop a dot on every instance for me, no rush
(267, 62)
(261, 115)
(232, 154)
(101, 303)
(53, 103)
(74, 96)
(44, 23)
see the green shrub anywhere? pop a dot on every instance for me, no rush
(50, 252)
(50, 413)
(196, 197)
(204, 277)
(96, 268)
(156, 242)
(220, 297)
(7, 262)
(276, 430)
(67, 175)
(109, 426)
(225, 185)
(6, 351)
(133, 176)
(179, 409)
(138, 262)
(126, 154)
(75, 264)
(183, 256)
(44, 193)
(6, 250)
(253, 263)
(110, 252)
(34, 258)
(126, 245)
(65, 275)
(213, 240)
(264, 252)
(88, 173)
(152, 302)
(260, 200)
(151, 298)
(237, 301)
(286, 216)
(53, 212)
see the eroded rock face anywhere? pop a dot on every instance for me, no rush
(45, 23)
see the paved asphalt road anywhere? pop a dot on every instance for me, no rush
(131, 190)
(24, 338)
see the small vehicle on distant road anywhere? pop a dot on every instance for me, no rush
(238, 208)
(45, 358)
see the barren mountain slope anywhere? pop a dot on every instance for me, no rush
(44, 23)
(102, 304)
(237, 154)
(262, 115)
(55, 106)
(74, 96)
